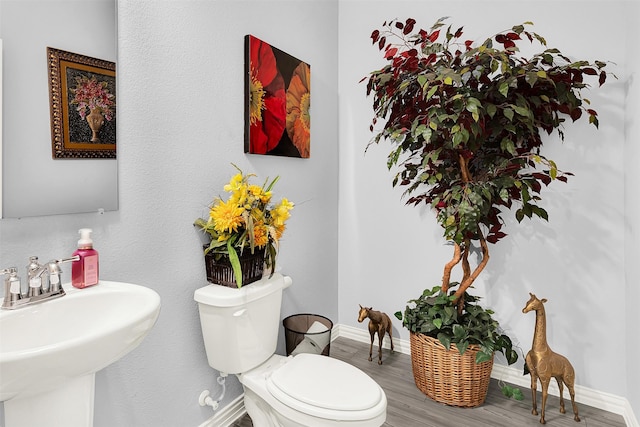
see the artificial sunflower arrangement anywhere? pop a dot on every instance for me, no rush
(247, 220)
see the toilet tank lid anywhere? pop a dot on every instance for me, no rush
(222, 296)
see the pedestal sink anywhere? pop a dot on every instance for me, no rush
(50, 352)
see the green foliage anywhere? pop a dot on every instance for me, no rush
(465, 120)
(514, 392)
(434, 314)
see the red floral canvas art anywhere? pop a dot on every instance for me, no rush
(278, 101)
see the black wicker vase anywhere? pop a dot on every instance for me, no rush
(220, 271)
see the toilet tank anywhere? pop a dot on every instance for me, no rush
(240, 326)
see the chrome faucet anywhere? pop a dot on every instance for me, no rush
(40, 288)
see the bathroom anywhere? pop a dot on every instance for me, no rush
(350, 240)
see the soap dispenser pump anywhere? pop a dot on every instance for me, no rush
(84, 272)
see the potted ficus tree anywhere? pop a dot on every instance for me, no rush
(466, 123)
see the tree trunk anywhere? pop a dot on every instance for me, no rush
(462, 254)
(464, 285)
(446, 277)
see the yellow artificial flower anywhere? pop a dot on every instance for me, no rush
(260, 234)
(239, 195)
(235, 183)
(279, 230)
(255, 190)
(227, 216)
(280, 212)
(265, 197)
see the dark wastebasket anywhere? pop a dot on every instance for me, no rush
(307, 333)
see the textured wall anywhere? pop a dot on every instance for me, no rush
(632, 206)
(180, 124)
(576, 260)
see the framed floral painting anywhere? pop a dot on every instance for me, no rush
(82, 95)
(277, 101)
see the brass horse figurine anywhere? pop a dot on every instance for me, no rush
(544, 364)
(379, 323)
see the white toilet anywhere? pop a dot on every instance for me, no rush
(240, 330)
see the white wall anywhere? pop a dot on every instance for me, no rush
(180, 66)
(390, 252)
(632, 207)
(180, 76)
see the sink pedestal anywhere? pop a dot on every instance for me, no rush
(70, 405)
(50, 351)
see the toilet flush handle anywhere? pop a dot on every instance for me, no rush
(287, 281)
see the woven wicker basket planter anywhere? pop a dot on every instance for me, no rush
(447, 376)
(220, 271)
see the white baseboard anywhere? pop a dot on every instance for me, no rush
(597, 399)
(227, 415)
(587, 396)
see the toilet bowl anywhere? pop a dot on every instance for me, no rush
(240, 331)
(312, 391)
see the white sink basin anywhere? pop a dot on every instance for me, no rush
(47, 346)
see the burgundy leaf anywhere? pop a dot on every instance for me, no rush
(375, 35)
(576, 113)
(391, 52)
(409, 26)
(535, 186)
(589, 71)
(434, 36)
(513, 36)
(546, 179)
(603, 77)
(381, 42)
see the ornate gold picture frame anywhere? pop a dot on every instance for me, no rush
(82, 94)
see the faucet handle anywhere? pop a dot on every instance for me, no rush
(12, 287)
(55, 271)
(70, 259)
(9, 270)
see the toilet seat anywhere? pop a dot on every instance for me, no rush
(326, 388)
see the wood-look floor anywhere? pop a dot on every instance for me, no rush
(409, 407)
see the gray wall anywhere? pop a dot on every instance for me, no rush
(180, 76)
(577, 260)
(632, 207)
(180, 67)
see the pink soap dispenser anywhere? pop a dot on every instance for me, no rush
(84, 272)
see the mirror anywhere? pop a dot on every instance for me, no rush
(33, 182)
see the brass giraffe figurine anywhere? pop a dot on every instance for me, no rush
(544, 364)
(379, 323)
